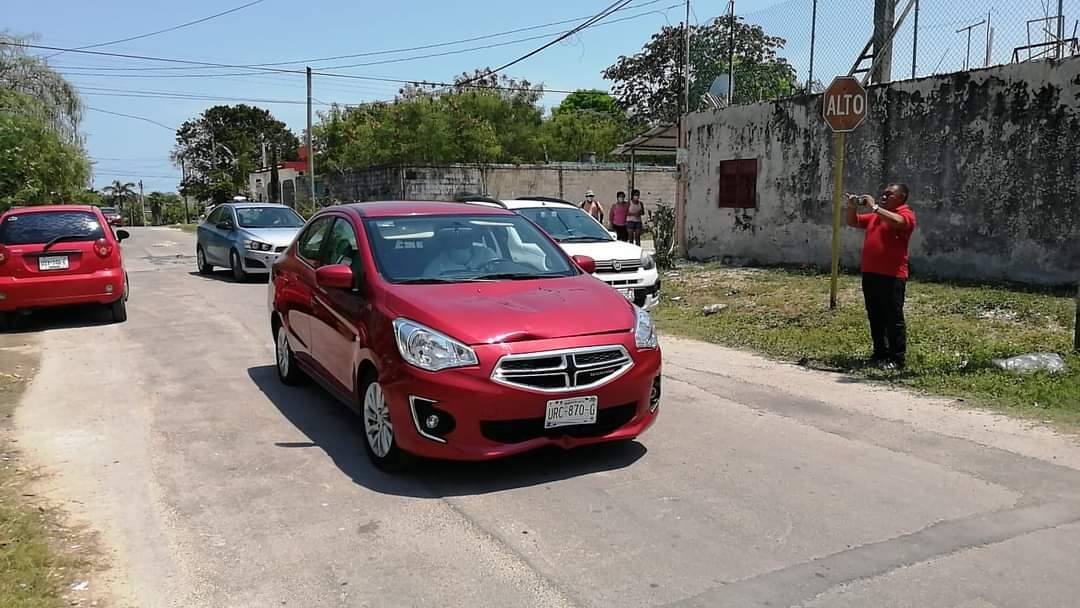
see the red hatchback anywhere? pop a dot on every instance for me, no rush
(59, 255)
(460, 332)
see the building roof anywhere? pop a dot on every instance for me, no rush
(662, 139)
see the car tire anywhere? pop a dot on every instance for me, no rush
(237, 267)
(119, 310)
(200, 260)
(379, 440)
(287, 369)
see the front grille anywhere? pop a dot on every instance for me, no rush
(617, 265)
(563, 370)
(608, 420)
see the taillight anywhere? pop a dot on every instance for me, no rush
(103, 248)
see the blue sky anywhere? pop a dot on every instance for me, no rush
(278, 30)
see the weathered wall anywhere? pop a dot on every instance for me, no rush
(444, 182)
(992, 158)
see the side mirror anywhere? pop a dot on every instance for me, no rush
(122, 234)
(585, 263)
(334, 276)
(225, 225)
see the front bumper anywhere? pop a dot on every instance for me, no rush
(490, 420)
(61, 290)
(642, 287)
(259, 262)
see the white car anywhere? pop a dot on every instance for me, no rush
(625, 266)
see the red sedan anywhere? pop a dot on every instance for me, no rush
(460, 332)
(59, 255)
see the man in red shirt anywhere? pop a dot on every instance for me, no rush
(885, 269)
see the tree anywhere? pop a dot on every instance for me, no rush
(649, 85)
(592, 100)
(165, 207)
(89, 196)
(118, 193)
(42, 92)
(223, 146)
(36, 165)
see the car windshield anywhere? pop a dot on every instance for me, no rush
(463, 248)
(567, 224)
(45, 226)
(268, 217)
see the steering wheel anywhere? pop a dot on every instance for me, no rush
(492, 265)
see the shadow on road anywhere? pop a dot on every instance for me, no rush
(66, 317)
(225, 276)
(333, 428)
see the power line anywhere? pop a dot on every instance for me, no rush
(168, 29)
(413, 48)
(598, 17)
(142, 118)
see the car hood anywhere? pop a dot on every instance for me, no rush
(608, 250)
(272, 236)
(515, 311)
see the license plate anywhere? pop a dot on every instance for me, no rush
(567, 412)
(53, 262)
(627, 293)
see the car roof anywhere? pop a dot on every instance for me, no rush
(376, 209)
(527, 203)
(251, 204)
(47, 208)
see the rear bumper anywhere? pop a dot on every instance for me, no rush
(61, 290)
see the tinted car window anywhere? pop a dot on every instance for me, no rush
(463, 248)
(341, 244)
(216, 215)
(268, 217)
(42, 227)
(566, 224)
(311, 241)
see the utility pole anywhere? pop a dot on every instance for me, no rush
(1061, 29)
(682, 187)
(731, 57)
(142, 204)
(884, 19)
(183, 185)
(915, 42)
(813, 42)
(310, 149)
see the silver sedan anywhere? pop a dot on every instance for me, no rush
(246, 238)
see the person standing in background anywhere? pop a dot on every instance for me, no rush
(635, 213)
(592, 207)
(617, 215)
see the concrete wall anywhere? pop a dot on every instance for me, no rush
(444, 182)
(992, 158)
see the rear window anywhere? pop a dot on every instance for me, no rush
(44, 226)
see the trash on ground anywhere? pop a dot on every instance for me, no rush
(712, 309)
(1032, 362)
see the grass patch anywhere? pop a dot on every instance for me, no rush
(954, 331)
(33, 574)
(187, 227)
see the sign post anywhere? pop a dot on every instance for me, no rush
(844, 108)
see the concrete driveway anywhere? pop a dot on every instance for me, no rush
(761, 484)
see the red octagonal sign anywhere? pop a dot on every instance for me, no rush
(844, 104)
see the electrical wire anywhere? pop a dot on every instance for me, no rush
(142, 118)
(598, 17)
(166, 30)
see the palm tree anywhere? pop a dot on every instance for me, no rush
(38, 89)
(118, 192)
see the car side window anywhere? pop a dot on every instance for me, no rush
(341, 247)
(311, 242)
(215, 216)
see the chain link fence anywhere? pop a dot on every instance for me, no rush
(826, 37)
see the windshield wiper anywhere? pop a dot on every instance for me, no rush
(428, 281)
(582, 239)
(64, 237)
(516, 276)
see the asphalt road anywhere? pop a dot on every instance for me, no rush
(761, 484)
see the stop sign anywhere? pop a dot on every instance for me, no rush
(844, 104)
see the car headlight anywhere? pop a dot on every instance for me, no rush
(644, 330)
(257, 246)
(430, 350)
(647, 261)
